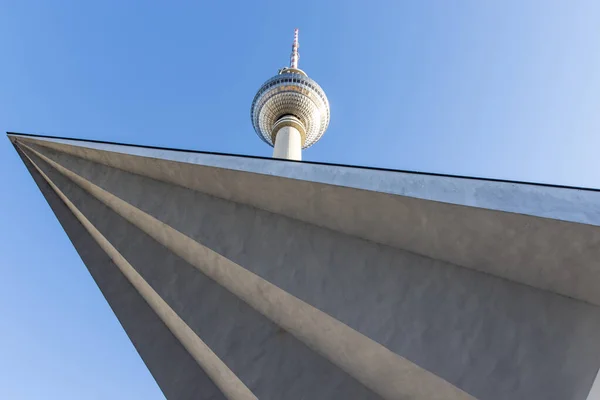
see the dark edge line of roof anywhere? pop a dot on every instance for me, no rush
(310, 162)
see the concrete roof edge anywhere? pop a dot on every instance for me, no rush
(433, 174)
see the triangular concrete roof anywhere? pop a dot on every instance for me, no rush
(543, 236)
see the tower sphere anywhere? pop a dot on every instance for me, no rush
(290, 98)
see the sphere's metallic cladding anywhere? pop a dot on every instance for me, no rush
(290, 93)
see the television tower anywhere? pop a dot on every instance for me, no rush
(290, 111)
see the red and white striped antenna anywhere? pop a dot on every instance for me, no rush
(295, 55)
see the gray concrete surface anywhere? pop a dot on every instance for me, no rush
(494, 338)
(386, 373)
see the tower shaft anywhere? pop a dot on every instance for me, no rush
(288, 144)
(289, 136)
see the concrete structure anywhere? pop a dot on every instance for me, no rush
(243, 277)
(290, 111)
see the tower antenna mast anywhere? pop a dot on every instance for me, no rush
(295, 56)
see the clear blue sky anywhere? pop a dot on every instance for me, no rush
(504, 89)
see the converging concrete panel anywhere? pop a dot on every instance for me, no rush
(380, 264)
